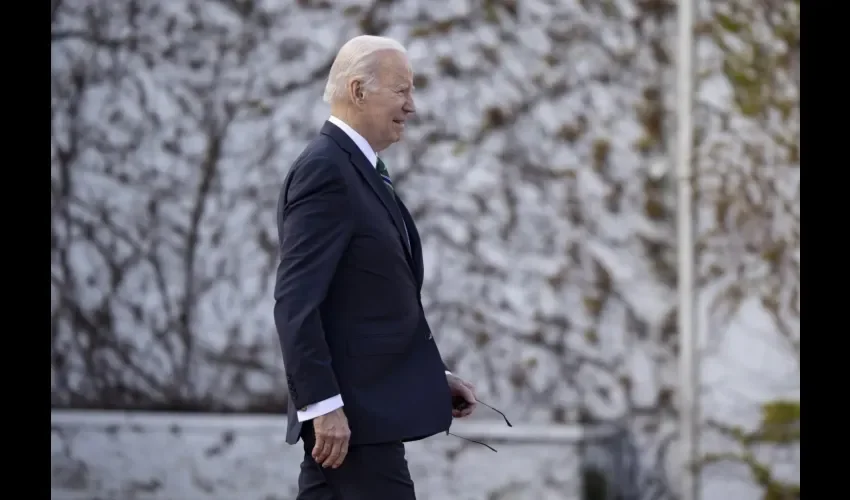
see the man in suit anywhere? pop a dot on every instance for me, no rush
(363, 370)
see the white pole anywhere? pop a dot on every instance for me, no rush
(688, 348)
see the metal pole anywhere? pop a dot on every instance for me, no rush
(688, 348)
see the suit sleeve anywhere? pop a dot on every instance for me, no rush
(314, 228)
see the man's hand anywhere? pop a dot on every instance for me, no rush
(332, 435)
(464, 391)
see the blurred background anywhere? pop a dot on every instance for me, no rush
(540, 173)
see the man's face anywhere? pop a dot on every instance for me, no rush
(389, 106)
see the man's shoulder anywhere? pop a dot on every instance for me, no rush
(319, 166)
(321, 151)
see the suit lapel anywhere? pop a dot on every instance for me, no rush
(367, 171)
(415, 245)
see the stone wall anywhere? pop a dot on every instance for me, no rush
(125, 456)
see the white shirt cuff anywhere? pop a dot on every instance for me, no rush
(320, 408)
(448, 372)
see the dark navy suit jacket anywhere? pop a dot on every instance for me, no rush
(348, 304)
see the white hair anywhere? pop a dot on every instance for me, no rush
(356, 61)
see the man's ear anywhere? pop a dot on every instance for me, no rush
(355, 89)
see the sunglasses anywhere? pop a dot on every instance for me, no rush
(458, 403)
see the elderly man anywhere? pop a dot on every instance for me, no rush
(363, 371)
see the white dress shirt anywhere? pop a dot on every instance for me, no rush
(328, 405)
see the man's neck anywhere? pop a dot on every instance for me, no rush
(351, 120)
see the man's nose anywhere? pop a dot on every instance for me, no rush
(409, 107)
